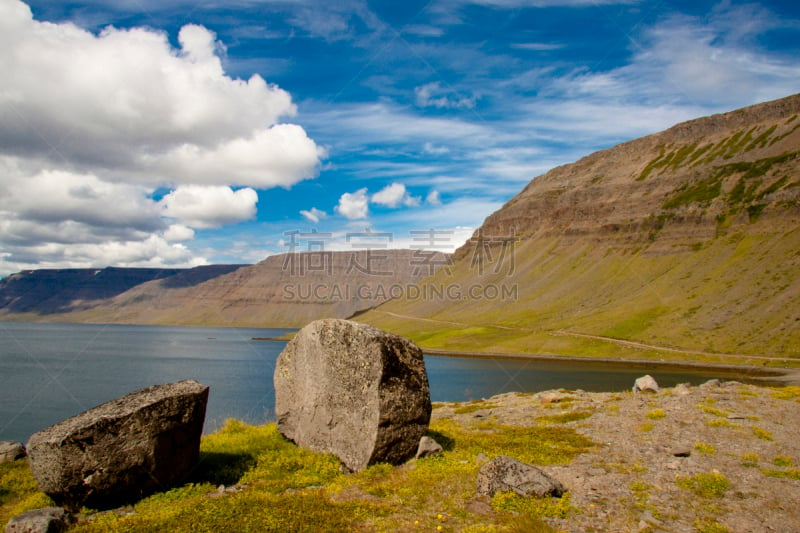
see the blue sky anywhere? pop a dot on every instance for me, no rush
(180, 133)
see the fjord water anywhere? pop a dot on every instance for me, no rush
(50, 371)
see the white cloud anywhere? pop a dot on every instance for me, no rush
(201, 206)
(430, 148)
(126, 100)
(538, 47)
(353, 206)
(432, 95)
(92, 124)
(314, 215)
(394, 195)
(178, 233)
(433, 198)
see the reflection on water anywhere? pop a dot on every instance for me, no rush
(49, 372)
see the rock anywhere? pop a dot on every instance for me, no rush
(645, 384)
(354, 391)
(711, 383)
(121, 450)
(481, 458)
(11, 451)
(682, 389)
(479, 505)
(428, 447)
(46, 520)
(506, 474)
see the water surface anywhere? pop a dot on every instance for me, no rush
(49, 372)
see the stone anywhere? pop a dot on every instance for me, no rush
(428, 447)
(645, 384)
(682, 389)
(122, 450)
(354, 391)
(503, 474)
(11, 451)
(46, 520)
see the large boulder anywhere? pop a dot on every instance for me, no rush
(354, 391)
(122, 450)
(504, 474)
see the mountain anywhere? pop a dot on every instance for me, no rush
(55, 291)
(682, 244)
(286, 290)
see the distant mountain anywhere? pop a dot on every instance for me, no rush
(687, 240)
(48, 292)
(286, 290)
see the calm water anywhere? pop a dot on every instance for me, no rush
(49, 372)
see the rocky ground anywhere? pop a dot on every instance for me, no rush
(713, 458)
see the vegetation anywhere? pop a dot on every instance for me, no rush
(705, 485)
(281, 487)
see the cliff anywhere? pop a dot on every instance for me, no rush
(685, 243)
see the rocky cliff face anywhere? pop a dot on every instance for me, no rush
(687, 240)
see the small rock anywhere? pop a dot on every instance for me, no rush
(682, 452)
(481, 458)
(711, 383)
(428, 447)
(682, 389)
(46, 520)
(645, 384)
(11, 451)
(506, 474)
(481, 413)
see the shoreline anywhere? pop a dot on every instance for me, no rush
(778, 375)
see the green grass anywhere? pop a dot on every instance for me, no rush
(762, 433)
(705, 449)
(18, 491)
(699, 192)
(705, 485)
(285, 488)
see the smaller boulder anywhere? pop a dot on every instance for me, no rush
(11, 451)
(645, 384)
(46, 520)
(428, 447)
(503, 474)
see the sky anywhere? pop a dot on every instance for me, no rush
(178, 133)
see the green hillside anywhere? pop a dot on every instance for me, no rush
(681, 245)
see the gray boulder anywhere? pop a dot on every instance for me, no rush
(428, 447)
(503, 474)
(645, 384)
(11, 451)
(122, 450)
(354, 391)
(46, 520)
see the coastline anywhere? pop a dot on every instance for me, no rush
(777, 375)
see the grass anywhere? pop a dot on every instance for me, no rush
(564, 418)
(705, 449)
(656, 414)
(18, 490)
(750, 459)
(705, 484)
(762, 433)
(285, 488)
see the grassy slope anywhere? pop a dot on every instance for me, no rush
(704, 264)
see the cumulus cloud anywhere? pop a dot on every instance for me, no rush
(314, 215)
(394, 195)
(201, 206)
(92, 124)
(354, 206)
(433, 95)
(178, 233)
